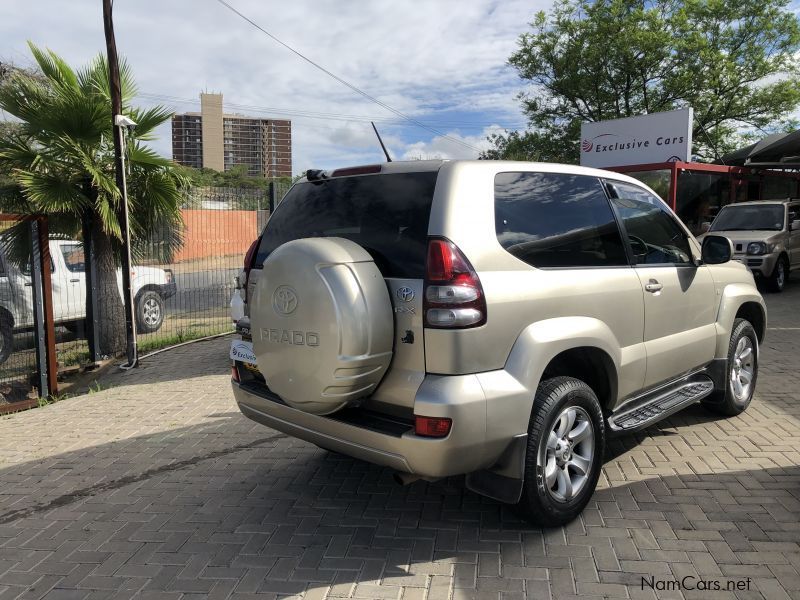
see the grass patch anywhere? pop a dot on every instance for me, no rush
(51, 399)
(74, 356)
(96, 387)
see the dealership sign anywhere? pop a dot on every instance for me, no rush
(654, 138)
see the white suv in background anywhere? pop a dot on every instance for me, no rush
(151, 287)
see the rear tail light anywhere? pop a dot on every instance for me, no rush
(453, 294)
(249, 257)
(235, 374)
(251, 251)
(432, 426)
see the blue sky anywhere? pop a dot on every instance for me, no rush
(441, 62)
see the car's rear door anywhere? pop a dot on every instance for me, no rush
(679, 295)
(386, 213)
(73, 279)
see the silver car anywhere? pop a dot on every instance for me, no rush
(766, 237)
(493, 319)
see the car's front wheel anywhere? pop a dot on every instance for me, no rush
(149, 312)
(566, 441)
(777, 280)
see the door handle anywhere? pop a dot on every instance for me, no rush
(29, 284)
(653, 286)
(75, 280)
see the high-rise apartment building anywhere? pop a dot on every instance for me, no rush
(221, 141)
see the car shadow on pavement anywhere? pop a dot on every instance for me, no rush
(220, 509)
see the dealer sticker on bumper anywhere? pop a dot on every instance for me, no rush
(243, 351)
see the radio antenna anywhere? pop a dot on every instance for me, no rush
(385, 151)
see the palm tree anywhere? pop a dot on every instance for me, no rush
(61, 158)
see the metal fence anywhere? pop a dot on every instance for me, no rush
(27, 334)
(220, 224)
(180, 297)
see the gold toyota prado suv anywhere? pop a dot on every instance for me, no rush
(487, 318)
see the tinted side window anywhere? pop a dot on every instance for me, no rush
(654, 236)
(387, 215)
(556, 220)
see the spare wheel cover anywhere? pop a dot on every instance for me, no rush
(323, 327)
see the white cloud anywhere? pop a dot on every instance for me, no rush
(442, 62)
(445, 147)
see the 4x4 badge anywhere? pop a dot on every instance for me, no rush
(406, 294)
(284, 300)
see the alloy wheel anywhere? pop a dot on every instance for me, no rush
(780, 277)
(743, 368)
(569, 454)
(151, 312)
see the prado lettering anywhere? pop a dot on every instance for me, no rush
(290, 337)
(659, 137)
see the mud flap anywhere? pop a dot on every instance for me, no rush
(503, 481)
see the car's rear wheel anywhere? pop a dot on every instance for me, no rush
(742, 372)
(149, 312)
(777, 280)
(566, 441)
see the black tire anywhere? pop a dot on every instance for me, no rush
(728, 402)
(777, 279)
(539, 503)
(6, 337)
(149, 311)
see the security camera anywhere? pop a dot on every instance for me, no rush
(123, 121)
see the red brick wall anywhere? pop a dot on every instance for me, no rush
(216, 233)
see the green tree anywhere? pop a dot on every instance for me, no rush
(734, 61)
(236, 177)
(61, 159)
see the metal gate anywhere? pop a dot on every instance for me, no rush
(28, 366)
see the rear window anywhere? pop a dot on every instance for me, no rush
(386, 214)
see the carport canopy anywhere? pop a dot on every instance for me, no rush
(777, 151)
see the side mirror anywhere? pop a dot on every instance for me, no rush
(717, 249)
(795, 225)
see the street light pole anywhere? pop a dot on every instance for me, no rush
(124, 124)
(119, 168)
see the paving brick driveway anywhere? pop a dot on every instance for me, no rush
(158, 488)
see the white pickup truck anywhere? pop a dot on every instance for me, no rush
(151, 286)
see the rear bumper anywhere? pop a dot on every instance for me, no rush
(464, 450)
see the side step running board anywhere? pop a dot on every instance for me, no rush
(660, 406)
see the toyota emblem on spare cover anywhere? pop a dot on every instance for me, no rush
(406, 294)
(284, 300)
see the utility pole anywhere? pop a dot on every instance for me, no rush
(119, 170)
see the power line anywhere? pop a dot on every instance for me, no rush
(346, 83)
(312, 114)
